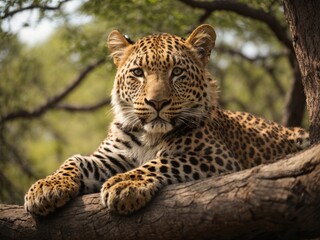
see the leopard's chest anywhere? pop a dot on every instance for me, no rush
(150, 148)
(143, 147)
(144, 154)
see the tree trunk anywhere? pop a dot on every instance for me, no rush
(304, 22)
(296, 100)
(280, 200)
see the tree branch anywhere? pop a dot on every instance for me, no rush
(295, 102)
(271, 71)
(204, 17)
(52, 102)
(246, 11)
(279, 200)
(7, 13)
(73, 108)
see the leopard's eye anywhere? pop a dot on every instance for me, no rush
(137, 72)
(176, 71)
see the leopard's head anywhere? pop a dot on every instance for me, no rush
(162, 81)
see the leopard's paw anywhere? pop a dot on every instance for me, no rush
(124, 193)
(50, 193)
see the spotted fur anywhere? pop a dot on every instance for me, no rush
(167, 129)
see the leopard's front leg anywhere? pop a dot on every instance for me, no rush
(77, 175)
(54, 191)
(81, 174)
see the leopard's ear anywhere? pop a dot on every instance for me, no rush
(117, 44)
(202, 39)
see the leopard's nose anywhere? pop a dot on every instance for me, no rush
(157, 104)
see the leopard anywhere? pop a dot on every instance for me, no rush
(168, 128)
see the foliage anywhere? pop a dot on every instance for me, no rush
(249, 62)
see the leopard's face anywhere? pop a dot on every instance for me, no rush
(160, 83)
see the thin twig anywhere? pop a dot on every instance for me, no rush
(73, 108)
(30, 7)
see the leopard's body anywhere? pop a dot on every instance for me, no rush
(167, 129)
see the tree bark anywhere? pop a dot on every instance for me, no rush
(304, 22)
(279, 200)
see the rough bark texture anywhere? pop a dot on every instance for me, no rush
(304, 22)
(280, 200)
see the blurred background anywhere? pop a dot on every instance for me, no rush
(56, 75)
